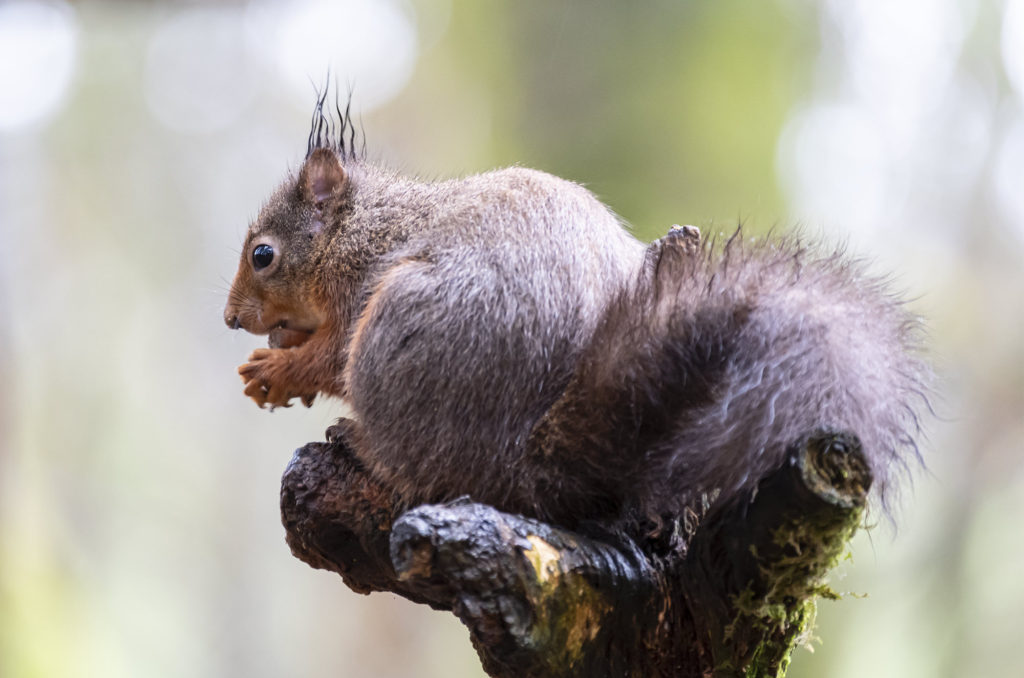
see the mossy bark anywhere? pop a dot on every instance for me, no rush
(729, 593)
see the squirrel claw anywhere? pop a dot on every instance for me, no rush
(687, 236)
(267, 381)
(254, 388)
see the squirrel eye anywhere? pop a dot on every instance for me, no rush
(262, 256)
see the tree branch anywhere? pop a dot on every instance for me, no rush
(728, 595)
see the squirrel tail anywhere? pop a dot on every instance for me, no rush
(722, 356)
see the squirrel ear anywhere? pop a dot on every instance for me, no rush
(322, 176)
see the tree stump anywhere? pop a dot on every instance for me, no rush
(727, 590)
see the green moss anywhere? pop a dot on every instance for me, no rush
(781, 618)
(569, 612)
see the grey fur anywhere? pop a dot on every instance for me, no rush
(712, 364)
(505, 338)
(474, 327)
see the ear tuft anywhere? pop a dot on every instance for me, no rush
(322, 176)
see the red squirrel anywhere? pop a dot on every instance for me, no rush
(502, 336)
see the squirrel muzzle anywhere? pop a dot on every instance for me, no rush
(284, 329)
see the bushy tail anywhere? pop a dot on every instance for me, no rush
(722, 356)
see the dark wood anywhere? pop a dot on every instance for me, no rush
(727, 593)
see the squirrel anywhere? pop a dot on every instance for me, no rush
(503, 336)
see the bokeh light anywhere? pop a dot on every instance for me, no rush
(369, 45)
(37, 57)
(891, 141)
(1012, 45)
(198, 77)
(1009, 179)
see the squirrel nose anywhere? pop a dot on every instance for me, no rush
(231, 320)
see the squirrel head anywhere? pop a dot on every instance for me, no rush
(274, 290)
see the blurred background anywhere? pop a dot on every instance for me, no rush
(139, 528)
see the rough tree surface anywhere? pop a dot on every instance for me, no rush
(727, 590)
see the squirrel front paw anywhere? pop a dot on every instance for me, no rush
(267, 380)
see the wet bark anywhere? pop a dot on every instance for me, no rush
(727, 590)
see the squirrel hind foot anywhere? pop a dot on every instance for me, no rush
(688, 237)
(679, 247)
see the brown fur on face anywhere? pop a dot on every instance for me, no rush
(279, 296)
(288, 297)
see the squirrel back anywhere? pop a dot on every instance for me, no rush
(472, 329)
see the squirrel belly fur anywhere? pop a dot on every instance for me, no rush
(502, 336)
